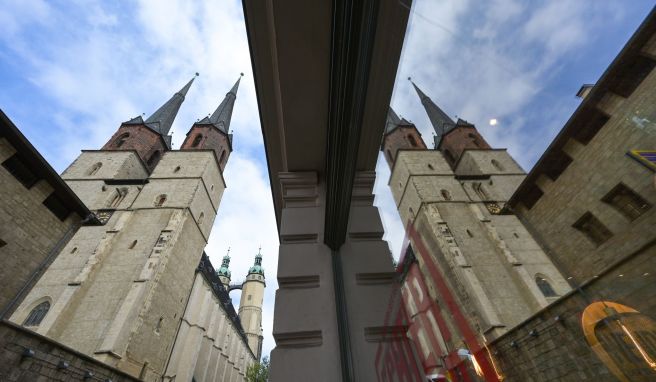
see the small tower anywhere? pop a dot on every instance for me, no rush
(400, 135)
(452, 138)
(149, 138)
(224, 272)
(250, 305)
(213, 132)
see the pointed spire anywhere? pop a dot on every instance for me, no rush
(441, 122)
(393, 120)
(162, 119)
(222, 115)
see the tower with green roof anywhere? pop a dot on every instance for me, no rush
(250, 305)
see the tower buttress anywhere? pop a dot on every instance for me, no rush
(400, 135)
(149, 138)
(213, 132)
(452, 138)
(250, 305)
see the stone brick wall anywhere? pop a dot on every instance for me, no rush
(142, 139)
(28, 228)
(596, 168)
(558, 351)
(42, 365)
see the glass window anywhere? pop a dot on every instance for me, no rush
(627, 202)
(36, 315)
(544, 286)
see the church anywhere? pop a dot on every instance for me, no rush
(128, 283)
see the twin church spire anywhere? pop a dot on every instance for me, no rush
(150, 138)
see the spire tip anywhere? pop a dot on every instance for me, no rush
(197, 74)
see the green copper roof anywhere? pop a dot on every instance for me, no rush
(224, 271)
(257, 267)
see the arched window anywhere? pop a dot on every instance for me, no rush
(497, 165)
(469, 233)
(430, 166)
(544, 286)
(36, 315)
(133, 244)
(159, 201)
(176, 169)
(446, 194)
(153, 158)
(197, 140)
(412, 140)
(222, 156)
(94, 169)
(449, 156)
(121, 139)
(201, 217)
(117, 197)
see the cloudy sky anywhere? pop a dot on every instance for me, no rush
(72, 71)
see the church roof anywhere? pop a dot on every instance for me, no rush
(223, 114)
(441, 122)
(224, 271)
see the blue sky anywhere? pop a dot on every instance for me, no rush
(72, 71)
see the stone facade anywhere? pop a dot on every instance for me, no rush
(578, 171)
(27, 356)
(250, 310)
(208, 136)
(211, 344)
(38, 215)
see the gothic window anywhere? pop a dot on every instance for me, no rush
(430, 166)
(73, 250)
(153, 158)
(212, 188)
(133, 244)
(17, 167)
(449, 156)
(121, 139)
(446, 194)
(497, 165)
(589, 225)
(176, 169)
(159, 201)
(201, 218)
(412, 140)
(480, 191)
(197, 140)
(94, 169)
(37, 314)
(544, 286)
(469, 233)
(158, 327)
(627, 202)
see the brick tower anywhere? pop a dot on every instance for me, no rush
(213, 132)
(149, 138)
(400, 135)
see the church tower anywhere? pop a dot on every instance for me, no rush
(250, 305)
(400, 135)
(149, 138)
(224, 271)
(118, 291)
(451, 138)
(213, 132)
(451, 201)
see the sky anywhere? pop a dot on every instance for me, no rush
(71, 71)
